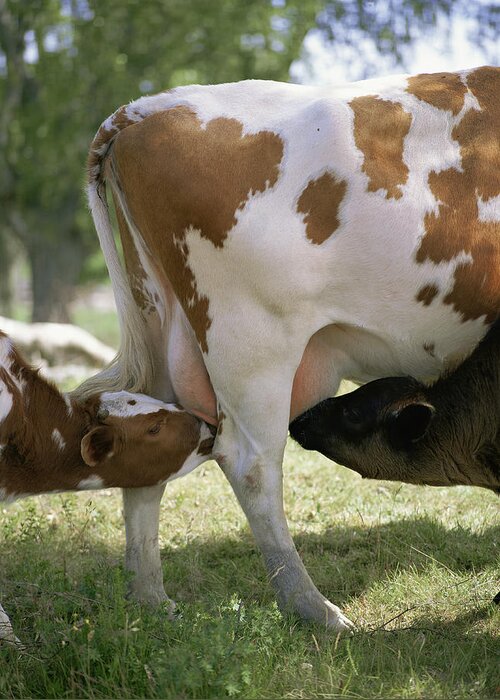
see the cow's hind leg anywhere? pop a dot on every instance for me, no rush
(251, 445)
(141, 508)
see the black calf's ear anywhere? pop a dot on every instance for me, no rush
(409, 424)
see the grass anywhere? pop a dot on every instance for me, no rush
(414, 568)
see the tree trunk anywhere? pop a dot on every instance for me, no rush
(6, 262)
(55, 269)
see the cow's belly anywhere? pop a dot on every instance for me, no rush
(336, 352)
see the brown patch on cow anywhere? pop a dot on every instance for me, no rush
(320, 202)
(221, 417)
(427, 294)
(135, 271)
(430, 349)
(380, 128)
(176, 173)
(456, 227)
(253, 480)
(442, 90)
(206, 446)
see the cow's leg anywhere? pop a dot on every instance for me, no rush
(141, 508)
(251, 444)
(6, 631)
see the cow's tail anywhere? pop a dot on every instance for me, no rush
(132, 367)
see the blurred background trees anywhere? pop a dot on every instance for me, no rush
(66, 64)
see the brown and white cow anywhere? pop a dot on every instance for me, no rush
(278, 238)
(49, 442)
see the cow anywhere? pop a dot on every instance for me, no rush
(49, 442)
(400, 429)
(278, 238)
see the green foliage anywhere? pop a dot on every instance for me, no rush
(66, 64)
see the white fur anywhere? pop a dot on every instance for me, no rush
(120, 374)
(58, 439)
(117, 403)
(489, 210)
(91, 482)
(6, 401)
(67, 401)
(5, 350)
(7, 497)
(142, 510)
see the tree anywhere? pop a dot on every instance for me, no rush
(66, 64)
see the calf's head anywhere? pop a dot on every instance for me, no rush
(378, 430)
(393, 429)
(135, 440)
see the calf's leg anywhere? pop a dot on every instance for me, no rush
(141, 507)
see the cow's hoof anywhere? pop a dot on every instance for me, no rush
(147, 595)
(170, 608)
(337, 622)
(313, 607)
(496, 599)
(155, 599)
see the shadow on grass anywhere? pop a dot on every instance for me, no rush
(344, 561)
(61, 589)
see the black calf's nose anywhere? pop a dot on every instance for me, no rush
(297, 428)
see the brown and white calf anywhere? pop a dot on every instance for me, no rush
(49, 442)
(399, 429)
(278, 238)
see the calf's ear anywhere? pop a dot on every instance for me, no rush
(409, 423)
(97, 445)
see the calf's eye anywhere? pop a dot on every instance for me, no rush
(352, 416)
(155, 429)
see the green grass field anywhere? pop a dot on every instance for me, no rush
(415, 569)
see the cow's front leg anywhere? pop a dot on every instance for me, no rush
(141, 507)
(6, 632)
(252, 455)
